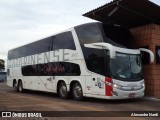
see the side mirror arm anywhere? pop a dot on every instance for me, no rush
(150, 53)
(108, 47)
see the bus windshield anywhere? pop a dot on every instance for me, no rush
(126, 67)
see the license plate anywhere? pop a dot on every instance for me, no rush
(131, 95)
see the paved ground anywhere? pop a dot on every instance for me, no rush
(10, 100)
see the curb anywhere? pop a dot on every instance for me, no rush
(151, 99)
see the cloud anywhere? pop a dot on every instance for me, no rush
(29, 13)
(21, 18)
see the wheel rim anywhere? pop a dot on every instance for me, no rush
(63, 89)
(78, 91)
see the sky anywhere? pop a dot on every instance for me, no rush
(25, 21)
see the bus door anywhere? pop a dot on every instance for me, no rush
(98, 84)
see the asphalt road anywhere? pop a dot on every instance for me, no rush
(88, 109)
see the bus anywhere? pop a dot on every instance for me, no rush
(2, 76)
(90, 60)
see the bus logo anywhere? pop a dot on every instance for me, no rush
(6, 114)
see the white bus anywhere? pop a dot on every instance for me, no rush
(89, 60)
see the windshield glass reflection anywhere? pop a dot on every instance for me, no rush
(126, 66)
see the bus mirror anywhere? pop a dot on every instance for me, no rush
(150, 53)
(92, 46)
(103, 46)
(108, 47)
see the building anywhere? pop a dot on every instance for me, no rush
(143, 19)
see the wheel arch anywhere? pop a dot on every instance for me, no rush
(20, 80)
(58, 83)
(76, 90)
(14, 81)
(69, 85)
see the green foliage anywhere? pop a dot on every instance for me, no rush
(2, 66)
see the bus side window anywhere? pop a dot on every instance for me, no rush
(88, 34)
(95, 60)
(63, 41)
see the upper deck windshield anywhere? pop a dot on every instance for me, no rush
(126, 67)
(99, 61)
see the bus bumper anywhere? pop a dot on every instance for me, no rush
(120, 94)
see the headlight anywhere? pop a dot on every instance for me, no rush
(113, 85)
(143, 85)
(117, 86)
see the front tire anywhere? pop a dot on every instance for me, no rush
(77, 92)
(62, 90)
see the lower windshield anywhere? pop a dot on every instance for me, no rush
(126, 67)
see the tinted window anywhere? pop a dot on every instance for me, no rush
(63, 41)
(40, 46)
(88, 33)
(117, 36)
(96, 60)
(145, 56)
(2, 73)
(60, 41)
(157, 54)
(52, 69)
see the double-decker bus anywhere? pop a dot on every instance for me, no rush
(89, 60)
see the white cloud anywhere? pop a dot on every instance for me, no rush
(23, 21)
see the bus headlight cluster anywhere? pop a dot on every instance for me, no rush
(114, 85)
(117, 86)
(143, 85)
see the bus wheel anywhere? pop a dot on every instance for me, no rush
(15, 85)
(20, 86)
(77, 92)
(62, 90)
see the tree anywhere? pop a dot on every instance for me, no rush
(2, 67)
